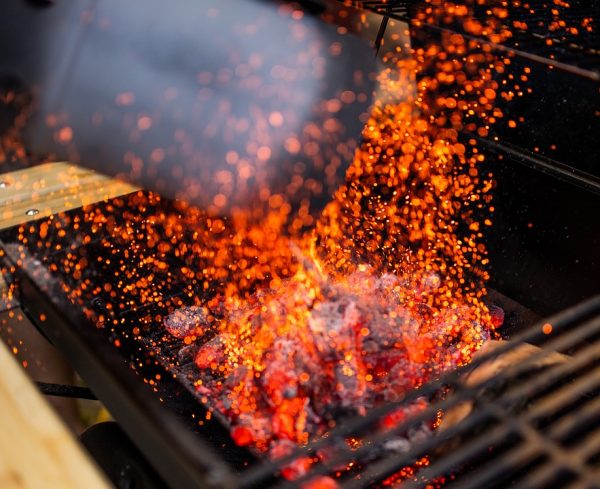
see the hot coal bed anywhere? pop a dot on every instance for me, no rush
(533, 423)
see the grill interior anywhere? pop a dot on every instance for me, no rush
(529, 425)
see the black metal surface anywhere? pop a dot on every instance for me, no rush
(163, 422)
(546, 222)
(119, 458)
(576, 53)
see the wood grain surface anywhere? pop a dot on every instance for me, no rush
(36, 449)
(43, 190)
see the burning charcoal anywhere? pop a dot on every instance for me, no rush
(283, 425)
(211, 354)
(363, 278)
(289, 419)
(334, 324)
(236, 376)
(397, 445)
(323, 402)
(187, 321)
(383, 342)
(457, 326)
(216, 306)
(320, 482)
(312, 354)
(281, 448)
(401, 414)
(420, 434)
(403, 444)
(402, 378)
(296, 468)
(187, 354)
(203, 390)
(279, 379)
(350, 385)
(251, 431)
(497, 314)
(313, 422)
(242, 436)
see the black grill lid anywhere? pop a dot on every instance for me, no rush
(208, 102)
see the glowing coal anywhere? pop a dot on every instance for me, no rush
(316, 350)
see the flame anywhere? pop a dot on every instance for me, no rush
(386, 293)
(400, 247)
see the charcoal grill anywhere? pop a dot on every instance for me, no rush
(529, 427)
(529, 431)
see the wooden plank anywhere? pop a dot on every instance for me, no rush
(36, 449)
(47, 189)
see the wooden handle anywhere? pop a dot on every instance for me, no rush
(36, 449)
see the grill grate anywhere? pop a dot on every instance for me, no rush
(528, 425)
(542, 431)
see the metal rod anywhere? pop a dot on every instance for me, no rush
(387, 467)
(584, 416)
(63, 390)
(381, 33)
(552, 167)
(591, 379)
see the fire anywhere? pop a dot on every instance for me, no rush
(384, 294)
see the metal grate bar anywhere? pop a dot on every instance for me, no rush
(541, 382)
(544, 476)
(571, 338)
(402, 460)
(527, 436)
(523, 391)
(563, 460)
(559, 372)
(381, 470)
(557, 454)
(558, 400)
(491, 472)
(588, 447)
(563, 340)
(577, 54)
(590, 482)
(585, 416)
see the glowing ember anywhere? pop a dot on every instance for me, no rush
(386, 293)
(289, 363)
